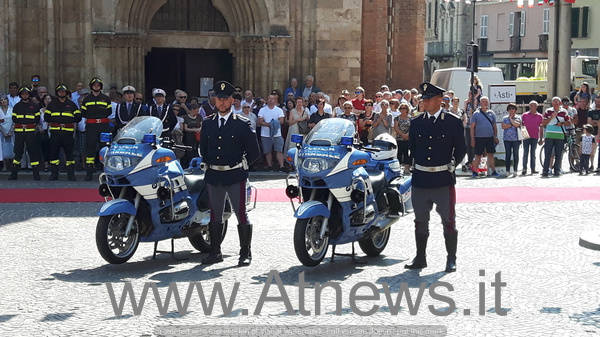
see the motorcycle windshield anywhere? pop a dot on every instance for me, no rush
(329, 132)
(134, 131)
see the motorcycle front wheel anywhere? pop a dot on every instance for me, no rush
(112, 244)
(310, 248)
(201, 240)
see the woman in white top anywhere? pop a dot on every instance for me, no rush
(339, 108)
(298, 114)
(7, 138)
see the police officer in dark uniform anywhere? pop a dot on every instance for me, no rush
(62, 116)
(437, 144)
(163, 111)
(129, 109)
(228, 147)
(26, 116)
(95, 108)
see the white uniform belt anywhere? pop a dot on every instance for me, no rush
(442, 168)
(243, 164)
(225, 167)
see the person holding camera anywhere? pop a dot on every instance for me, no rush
(365, 122)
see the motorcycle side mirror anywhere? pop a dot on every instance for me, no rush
(196, 163)
(150, 139)
(106, 137)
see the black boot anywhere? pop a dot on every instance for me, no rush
(13, 172)
(450, 240)
(71, 172)
(245, 234)
(216, 235)
(36, 172)
(89, 172)
(53, 172)
(419, 261)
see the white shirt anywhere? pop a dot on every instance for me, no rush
(327, 108)
(236, 111)
(252, 117)
(13, 100)
(377, 107)
(219, 116)
(75, 98)
(268, 114)
(113, 114)
(437, 114)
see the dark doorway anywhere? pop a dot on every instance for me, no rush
(174, 68)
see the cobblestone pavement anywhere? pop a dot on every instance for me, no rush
(53, 278)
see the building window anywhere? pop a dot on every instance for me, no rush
(500, 24)
(579, 22)
(523, 23)
(546, 29)
(483, 32)
(429, 15)
(511, 24)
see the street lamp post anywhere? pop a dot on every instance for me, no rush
(472, 50)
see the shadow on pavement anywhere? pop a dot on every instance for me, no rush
(339, 270)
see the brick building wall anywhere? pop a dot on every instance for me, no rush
(396, 26)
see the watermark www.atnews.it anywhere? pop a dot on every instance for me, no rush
(437, 291)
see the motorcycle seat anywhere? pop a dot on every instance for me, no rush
(194, 182)
(378, 182)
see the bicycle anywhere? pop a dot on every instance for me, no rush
(571, 147)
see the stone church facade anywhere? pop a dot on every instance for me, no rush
(258, 44)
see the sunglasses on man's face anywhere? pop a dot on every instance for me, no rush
(378, 96)
(182, 97)
(347, 108)
(35, 80)
(358, 92)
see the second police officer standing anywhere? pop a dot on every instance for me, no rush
(163, 111)
(228, 146)
(437, 144)
(96, 108)
(128, 109)
(62, 115)
(26, 116)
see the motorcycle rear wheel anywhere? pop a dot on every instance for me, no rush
(201, 241)
(306, 238)
(375, 243)
(110, 236)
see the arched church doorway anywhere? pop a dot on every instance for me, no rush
(190, 43)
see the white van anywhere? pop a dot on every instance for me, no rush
(459, 80)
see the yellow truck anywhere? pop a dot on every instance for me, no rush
(583, 69)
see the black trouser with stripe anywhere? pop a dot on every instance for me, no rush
(237, 197)
(66, 141)
(30, 140)
(92, 141)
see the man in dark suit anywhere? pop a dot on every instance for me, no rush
(163, 111)
(129, 108)
(228, 146)
(436, 140)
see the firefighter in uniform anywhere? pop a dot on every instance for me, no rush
(129, 109)
(437, 144)
(95, 108)
(228, 147)
(62, 116)
(26, 116)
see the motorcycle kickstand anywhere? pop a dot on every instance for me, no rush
(353, 255)
(172, 252)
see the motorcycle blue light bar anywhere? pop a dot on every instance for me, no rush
(297, 139)
(105, 137)
(346, 141)
(149, 139)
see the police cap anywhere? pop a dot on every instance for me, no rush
(223, 89)
(429, 90)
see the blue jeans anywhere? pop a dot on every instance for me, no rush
(529, 144)
(512, 150)
(553, 146)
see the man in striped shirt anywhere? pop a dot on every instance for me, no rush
(555, 122)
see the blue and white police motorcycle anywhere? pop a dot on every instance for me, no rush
(347, 192)
(149, 196)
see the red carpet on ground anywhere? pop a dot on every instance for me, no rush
(464, 195)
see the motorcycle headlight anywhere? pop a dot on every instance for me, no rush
(118, 163)
(314, 165)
